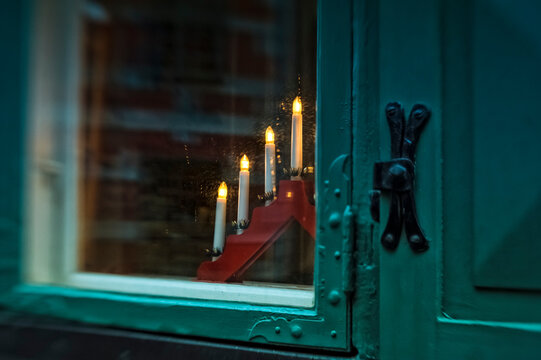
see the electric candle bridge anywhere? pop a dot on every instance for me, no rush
(257, 234)
(398, 175)
(267, 224)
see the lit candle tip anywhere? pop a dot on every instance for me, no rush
(297, 105)
(244, 163)
(222, 191)
(269, 135)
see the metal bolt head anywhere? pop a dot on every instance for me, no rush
(391, 110)
(277, 329)
(415, 239)
(337, 254)
(337, 192)
(334, 220)
(397, 170)
(334, 297)
(333, 333)
(399, 175)
(388, 239)
(296, 331)
(419, 113)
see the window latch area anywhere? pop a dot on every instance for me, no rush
(398, 175)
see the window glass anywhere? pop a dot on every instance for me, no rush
(176, 98)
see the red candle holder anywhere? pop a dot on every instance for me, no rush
(267, 224)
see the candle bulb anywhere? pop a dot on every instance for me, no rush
(296, 137)
(244, 192)
(219, 223)
(270, 164)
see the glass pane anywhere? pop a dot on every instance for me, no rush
(174, 95)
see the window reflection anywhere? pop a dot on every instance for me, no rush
(174, 93)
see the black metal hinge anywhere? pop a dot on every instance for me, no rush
(398, 175)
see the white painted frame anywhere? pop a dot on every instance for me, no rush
(51, 213)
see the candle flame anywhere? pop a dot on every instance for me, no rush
(222, 191)
(297, 106)
(269, 135)
(244, 163)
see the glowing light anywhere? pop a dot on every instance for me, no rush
(222, 191)
(289, 194)
(244, 163)
(269, 136)
(297, 105)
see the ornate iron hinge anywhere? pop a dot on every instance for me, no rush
(398, 175)
(340, 215)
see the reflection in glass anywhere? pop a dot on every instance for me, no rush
(174, 95)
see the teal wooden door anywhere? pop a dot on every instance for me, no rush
(476, 293)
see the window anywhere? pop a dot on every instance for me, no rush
(139, 113)
(170, 101)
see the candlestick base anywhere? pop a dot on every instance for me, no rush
(266, 226)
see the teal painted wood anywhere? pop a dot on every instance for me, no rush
(501, 189)
(13, 38)
(325, 326)
(474, 64)
(506, 41)
(365, 326)
(410, 72)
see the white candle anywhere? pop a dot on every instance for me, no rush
(244, 192)
(296, 137)
(219, 222)
(270, 164)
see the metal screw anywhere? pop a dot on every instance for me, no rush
(415, 239)
(391, 110)
(277, 329)
(388, 239)
(337, 192)
(418, 114)
(333, 333)
(337, 254)
(296, 331)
